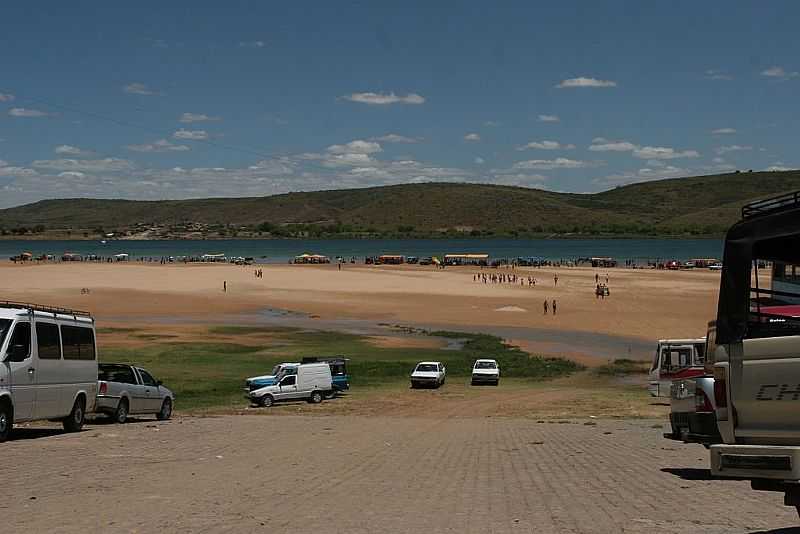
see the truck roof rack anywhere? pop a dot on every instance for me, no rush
(772, 205)
(55, 310)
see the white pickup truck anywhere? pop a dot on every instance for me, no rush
(757, 354)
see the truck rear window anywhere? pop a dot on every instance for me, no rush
(774, 299)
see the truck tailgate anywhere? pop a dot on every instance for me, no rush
(765, 390)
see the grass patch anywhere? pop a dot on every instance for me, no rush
(622, 366)
(114, 330)
(211, 375)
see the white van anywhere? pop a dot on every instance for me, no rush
(48, 365)
(676, 359)
(313, 382)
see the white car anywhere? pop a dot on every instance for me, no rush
(715, 266)
(485, 372)
(430, 374)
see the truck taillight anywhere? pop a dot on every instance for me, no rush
(702, 402)
(720, 388)
(103, 388)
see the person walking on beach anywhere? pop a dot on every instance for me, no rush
(545, 306)
(596, 278)
(555, 279)
(554, 306)
(224, 286)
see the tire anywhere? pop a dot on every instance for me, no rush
(166, 410)
(6, 420)
(413, 385)
(121, 413)
(315, 398)
(496, 382)
(74, 421)
(330, 394)
(471, 382)
(266, 401)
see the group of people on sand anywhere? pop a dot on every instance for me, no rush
(601, 289)
(259, 273)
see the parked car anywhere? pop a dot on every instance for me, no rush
(412, 259)
(430, 374)
(311, 382)
(485, 372)
(426, 261)
(49, 365)
(692, 406)
(715, 266)
(124, 390)
(258, 382)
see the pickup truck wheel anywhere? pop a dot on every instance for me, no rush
(121, 413)
(6, 420)
(266, 401)
(166, 410)
(330, 394)
(74, 421)
(315, 398)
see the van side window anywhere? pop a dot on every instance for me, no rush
(78, 343)
(21, 336)
(47, 341)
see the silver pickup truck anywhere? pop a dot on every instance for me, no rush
(757, 354)
(125, 390)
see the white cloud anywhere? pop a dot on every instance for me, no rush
(27, 112)
(197, 117)
(5, 97)
(384, 98)
(723, 131)
(14, 171)
(545, 145)
(71, 174)
(519, 179)
(492, 124)
(195, 135)
(139, 89)
(549, 118)
(84, 165)
(252, 44)
(585, 82)
(714, 74)
(733, 148)
(395, 138)
(472, 137)
(779, 73)
(162, 145)
(778, 168)
(479, 160)
(69, 150)
(558, 163)
(356, 147)
(601, 144)
(659, 152)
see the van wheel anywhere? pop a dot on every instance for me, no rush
(121, 413)
(166, 410)
(6, 420)
(74, 421)
(266, 401)
(315, 398)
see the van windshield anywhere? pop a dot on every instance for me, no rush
(5, 324)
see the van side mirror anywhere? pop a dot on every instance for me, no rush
(17, 353)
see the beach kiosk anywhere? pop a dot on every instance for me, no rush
(466, 259)
(121, 257)
(311, 258)
(214, 258)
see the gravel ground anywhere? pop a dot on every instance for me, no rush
(372, 474)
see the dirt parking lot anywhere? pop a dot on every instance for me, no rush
(316, 473)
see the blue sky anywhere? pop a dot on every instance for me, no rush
(199, 99)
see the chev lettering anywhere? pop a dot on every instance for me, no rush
(778, 392)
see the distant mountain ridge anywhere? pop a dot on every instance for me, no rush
(702, 205)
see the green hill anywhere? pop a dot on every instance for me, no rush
(703, 205)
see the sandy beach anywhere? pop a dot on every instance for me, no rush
(643, 305)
